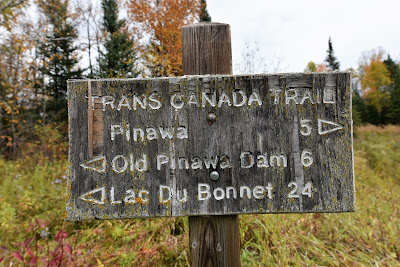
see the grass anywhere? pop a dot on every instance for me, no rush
(32, 230)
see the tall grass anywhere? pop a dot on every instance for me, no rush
(32, 230)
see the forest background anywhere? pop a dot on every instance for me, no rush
(39, 53)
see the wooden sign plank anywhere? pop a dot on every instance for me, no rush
(151, 148)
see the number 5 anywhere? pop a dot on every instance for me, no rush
(305, 124)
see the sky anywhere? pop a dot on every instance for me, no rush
(291, 33)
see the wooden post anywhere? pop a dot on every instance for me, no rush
(214, 240)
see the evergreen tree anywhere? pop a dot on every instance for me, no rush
(393, 112)
(330, 59)
(60, 57)
(59, 50)
(118, 59)
(204, 16)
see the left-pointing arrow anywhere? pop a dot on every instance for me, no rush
(97, 164)
(88, 196)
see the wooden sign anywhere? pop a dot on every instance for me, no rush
(210, 145)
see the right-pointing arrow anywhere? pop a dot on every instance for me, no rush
(97, 164)
(322, 122)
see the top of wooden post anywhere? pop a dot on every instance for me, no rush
(206, 48)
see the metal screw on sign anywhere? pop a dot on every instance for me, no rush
(211, 117)
(214, 175)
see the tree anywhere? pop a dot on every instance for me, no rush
(60, 55)
(118, 59)
(157, 23)
(375, 81)
(16, 94)
(393, 112)
(332, 62)
(311, 67)
(8, 8)
(204, 16)
(88, 14)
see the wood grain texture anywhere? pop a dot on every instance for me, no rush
(207, 50)
(301, 116)
(214, 240)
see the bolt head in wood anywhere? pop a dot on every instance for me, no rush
(214, 175)
(211, 117)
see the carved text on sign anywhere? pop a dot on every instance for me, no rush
(273, 143)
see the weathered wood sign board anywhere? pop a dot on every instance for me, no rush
(210, 145)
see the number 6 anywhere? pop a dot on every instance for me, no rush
(306, 158)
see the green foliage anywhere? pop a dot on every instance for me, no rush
(357, 108)
(393, 112)
(33, 231)
(8, 8)
(118, 59)
(331, 60)
(311, 67)
(204, 16)
(58, 50)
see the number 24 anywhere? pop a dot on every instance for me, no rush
(305, 192)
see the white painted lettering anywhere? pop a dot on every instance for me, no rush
(306, 124)
(255, 97)
(88, 196)
(306, 158)
(196, 163)
(182, 132)
(279, 160)
(291, 94)
(184, 198)
(124, 102)
(154, 101)
(141, 163)
(93, 101)
(262, 161)
(245, 190)
(118, 129)
(108, 100)
(193, 100)
(167, 132)
(275, 93)
(246, 160)
(293, 192)
(306, 95)
(142, 102)
(269, 190)
(219, 193)
(176, 101)
(161, 159)
(203, 189)
(225, 162)
(210, 161)
(205, 99)
(258, 192)
(183, 163)
(230, 189)
(142, 197)
(112, 193)
(236, 101)
(151, 134)
(130, 196)
(115, 166)
(224, 98)
(138, 132)
(165, 190)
